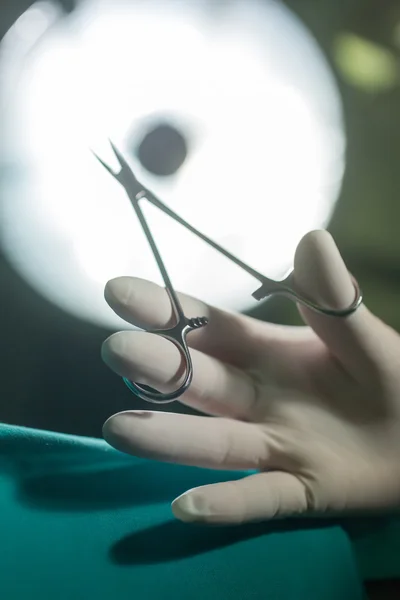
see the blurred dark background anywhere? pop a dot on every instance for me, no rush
(52, 376)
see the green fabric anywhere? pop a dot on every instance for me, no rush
(82, 521)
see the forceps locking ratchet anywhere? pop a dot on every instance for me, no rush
(177, 334)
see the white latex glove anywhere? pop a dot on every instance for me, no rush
(315, 409)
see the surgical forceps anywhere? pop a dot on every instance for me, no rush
(177, 334)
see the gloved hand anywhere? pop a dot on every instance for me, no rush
(315, 409)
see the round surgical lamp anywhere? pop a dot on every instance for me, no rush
(227, 111)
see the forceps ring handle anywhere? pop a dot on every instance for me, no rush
(285, 288)
(177, 336)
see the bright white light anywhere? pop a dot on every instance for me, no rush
(33, 23)
(250, 89)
